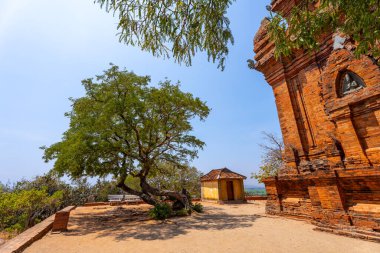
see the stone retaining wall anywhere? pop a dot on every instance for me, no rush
(256, 197)
(26, 238)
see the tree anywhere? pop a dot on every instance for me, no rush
(5, 187)
(173, 177)
(180, 28)
(359, 20)
(21, 209)
(272, 158)
(123, 127)
(185, 27)
(77, 192)
(27, 202)
(103, 188)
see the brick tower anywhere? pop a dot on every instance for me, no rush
(328, 105)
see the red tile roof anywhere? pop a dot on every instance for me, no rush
(223, 173)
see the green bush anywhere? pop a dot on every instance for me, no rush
(161, 211)
(198, 207)
(182, 212)
(27, 202)
(22, 209)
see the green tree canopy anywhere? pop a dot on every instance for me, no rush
(168, 176)
(181, 28)
(123, 127)
(29, 201)
(20, 209)
(359, 20)
(177, 28)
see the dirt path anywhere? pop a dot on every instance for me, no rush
(222, 228)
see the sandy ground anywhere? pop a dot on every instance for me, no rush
(221, 228)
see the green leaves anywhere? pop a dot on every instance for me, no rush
(166, 176)
(20, 209)
(180, 29)
(174, 28)
(359, 20)
(123, 127)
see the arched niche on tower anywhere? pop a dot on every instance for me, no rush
(348, 82)
(351, 94)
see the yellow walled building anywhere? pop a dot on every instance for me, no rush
(222, 185)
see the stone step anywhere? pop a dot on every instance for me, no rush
(374, 237)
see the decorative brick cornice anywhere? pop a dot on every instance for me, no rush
(284, 6)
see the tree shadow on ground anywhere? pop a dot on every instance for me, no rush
(122, 224)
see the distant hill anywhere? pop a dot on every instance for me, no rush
(255, 190)
(254, 187)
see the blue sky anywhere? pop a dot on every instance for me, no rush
(47, 47)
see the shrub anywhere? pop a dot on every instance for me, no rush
(27, 202)
(198, 207)
(182, 212)
(22, 209)
(161, 211)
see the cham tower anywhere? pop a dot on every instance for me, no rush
(328, 106)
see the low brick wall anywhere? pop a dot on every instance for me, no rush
(26, 238)
(129, 202)
(97, 204)
(137, 202)
(61, 219)
(256, 197)
(115, 203)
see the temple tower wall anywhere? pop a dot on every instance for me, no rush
(328, 106)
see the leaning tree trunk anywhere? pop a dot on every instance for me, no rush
(182, 199)
(185, 203)
(148, 194)
(145, 197)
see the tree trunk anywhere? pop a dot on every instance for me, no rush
(148, 193)
(181, 197)
(145, 197)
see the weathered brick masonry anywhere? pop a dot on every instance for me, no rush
(328, 105)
